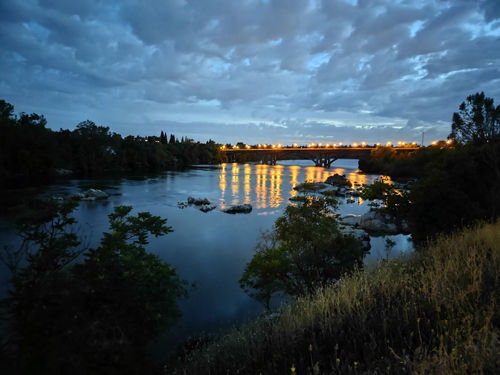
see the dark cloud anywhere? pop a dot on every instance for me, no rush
(255, 69)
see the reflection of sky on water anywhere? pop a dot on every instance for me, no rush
(211, 249)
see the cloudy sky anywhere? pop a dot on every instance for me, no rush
(251, 70)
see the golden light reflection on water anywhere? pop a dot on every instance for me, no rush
(275, 188)
(246, 185)
(356, 178)
(262, 185)
(294, 174)
(235, 183)
(222, 184)
(260, 188)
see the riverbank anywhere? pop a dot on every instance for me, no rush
(435, 311)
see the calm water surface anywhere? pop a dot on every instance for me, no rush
(210, 249)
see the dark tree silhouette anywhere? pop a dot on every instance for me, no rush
(478, 120)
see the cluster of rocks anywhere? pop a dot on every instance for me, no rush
(90, 195)
(204, 205)
(374, 222)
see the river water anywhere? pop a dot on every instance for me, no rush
(209, 249)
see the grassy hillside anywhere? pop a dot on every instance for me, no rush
(435, 312)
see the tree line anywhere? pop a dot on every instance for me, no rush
(29, 151)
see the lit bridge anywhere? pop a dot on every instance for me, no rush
(321, 156)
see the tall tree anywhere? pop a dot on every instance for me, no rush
(477, 121)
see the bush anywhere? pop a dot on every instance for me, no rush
(305, 251)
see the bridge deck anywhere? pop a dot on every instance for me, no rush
(321, 156)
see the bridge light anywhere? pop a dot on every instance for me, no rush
(434, 143)
(247, 146)
(265, 145)
(273, 146)
(222, 147)
(319, 144)
(279, 145)
(388, 143)
(340, 144)
(449, 142)
(235, 147)
(327, 145)
(363, 144)
(295, 145)
(354, 144)
(377, 144)
(334, 145)
(403, 143)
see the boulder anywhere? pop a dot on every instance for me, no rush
(207, 207)
(351, 220)
(90, 195)
(309, 186)
(198, 201)
(338, 180)
(95, 193)
(239, 209)
(375, 222)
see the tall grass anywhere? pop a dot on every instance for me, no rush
(434, 312)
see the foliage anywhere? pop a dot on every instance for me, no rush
(305, 251)
(385, 160)
(377, 190)
(478, 120)
(435, 312)
(83, 311)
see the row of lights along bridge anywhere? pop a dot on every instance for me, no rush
(327, 145)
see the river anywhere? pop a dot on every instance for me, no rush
(209, 249)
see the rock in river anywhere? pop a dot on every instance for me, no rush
(207, 207)
(338, 180)
(351, 219)
(198, 201)
(375, 222)
(239, 209)
(90, 195)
